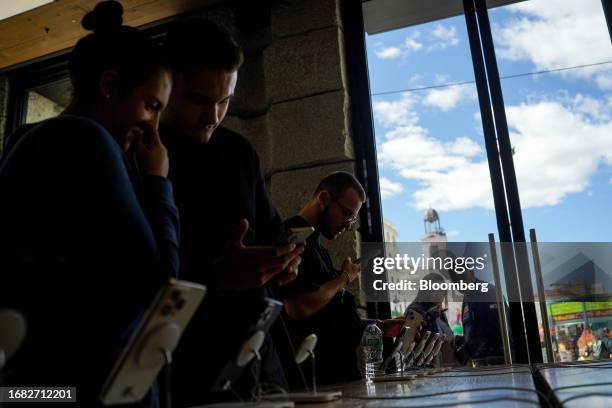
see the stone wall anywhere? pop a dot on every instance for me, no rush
(310, 114)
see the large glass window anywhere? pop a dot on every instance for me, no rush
(555, 62)
(434, 175)
(48, 100)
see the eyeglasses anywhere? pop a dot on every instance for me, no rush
(349, 217)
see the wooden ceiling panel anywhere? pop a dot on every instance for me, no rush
(57, 26)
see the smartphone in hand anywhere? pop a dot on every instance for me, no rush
(294, 235)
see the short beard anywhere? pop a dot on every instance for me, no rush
(323, 224)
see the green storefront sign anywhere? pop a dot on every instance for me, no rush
(563, 308)
(568, 308)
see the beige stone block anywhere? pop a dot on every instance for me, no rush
(253, 42)
(256, 130)
(291, 190)
(250, 97)
(311, 129)
(291, 17)
(305, 65)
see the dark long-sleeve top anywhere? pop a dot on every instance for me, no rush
(217, 184)
(84, 246)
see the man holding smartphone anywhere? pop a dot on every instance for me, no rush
(228, 224)
(316, 301)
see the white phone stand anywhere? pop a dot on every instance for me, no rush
(158, 345)
(403, 350)
(436, 350)
(250, 349)
(428, 349)
(12, 333)
(306, 350)
(149, 349)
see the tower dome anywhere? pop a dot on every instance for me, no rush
(431, 221)
(431, 215)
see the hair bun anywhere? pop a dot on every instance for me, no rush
(106, 16)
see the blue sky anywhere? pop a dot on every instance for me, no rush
(430, 145)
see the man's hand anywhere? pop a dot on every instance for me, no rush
(251, 267)
(350, 270)
(291, 271)
(420, 330)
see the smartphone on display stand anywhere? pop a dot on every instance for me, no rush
(161, 328)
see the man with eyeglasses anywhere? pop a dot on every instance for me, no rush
(316, 301)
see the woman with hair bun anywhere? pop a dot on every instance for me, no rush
(87, 238)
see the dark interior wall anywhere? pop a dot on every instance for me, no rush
(291, 99)
(4, 93)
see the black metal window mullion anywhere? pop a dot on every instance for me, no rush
(517, 327)
(512, 192)
(607, 8)
(371, 225)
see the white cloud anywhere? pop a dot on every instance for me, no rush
(389, 188)
(559, 146)
(447, 37)
(558, 34)
(447, 98)
(411, 44)
(401, 112)
(415, 78)
(442, 78)
(604, 80)
(441, 37)
(448, 177)
(389, 53)
(395, 113)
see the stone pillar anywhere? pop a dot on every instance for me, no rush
(249, 110)
(309, 119)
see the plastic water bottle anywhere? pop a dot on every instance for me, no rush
(372, 343)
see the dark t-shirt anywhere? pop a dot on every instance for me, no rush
(337, 326)
(85, 244)
(217, 184)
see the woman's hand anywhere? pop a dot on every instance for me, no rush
(151, 154)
